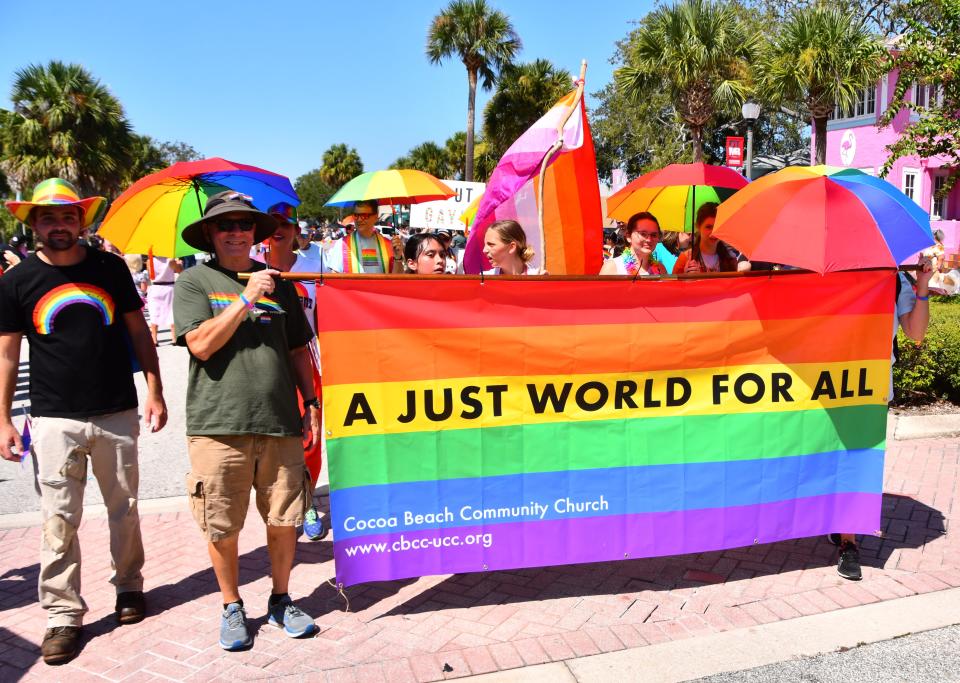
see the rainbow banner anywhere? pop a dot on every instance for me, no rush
(480, 425)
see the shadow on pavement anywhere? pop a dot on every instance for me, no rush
(18, 587)
(907, 523)
(18, 655)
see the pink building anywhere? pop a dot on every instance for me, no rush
(855, 141)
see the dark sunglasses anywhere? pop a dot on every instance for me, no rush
(235, 225)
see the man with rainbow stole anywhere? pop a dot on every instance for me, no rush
(81, 313)
(365, 250)
(249, 355)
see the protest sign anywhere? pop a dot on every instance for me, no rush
(445, 214)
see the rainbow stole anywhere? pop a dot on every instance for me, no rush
(555, 422)
(351, 253)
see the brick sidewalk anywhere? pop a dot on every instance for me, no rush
(452, 626)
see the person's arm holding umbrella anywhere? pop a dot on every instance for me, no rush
(915, 322)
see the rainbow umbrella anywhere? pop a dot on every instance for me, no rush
(824, 219)
(150, 215)
(674, 193)
(397, 186)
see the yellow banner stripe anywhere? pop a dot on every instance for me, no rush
(384, 408)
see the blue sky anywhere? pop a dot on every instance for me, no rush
(274, 84)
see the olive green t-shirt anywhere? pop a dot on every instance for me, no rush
(248, 386)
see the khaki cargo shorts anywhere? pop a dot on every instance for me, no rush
(222, 470)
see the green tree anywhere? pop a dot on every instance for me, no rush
(929, 54)
(819, 59)
(146, 158)
(485, 160)
(882, 17)
(428, 157)
(64, 123)
(340, 165)
(175, 150)
(699, 53)
(636, 136)
(456, 147)
(523, 94)
(314, 192)
(484, 40)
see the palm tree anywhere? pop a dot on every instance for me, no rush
(524, 93)
(699, 53)
(340, 164)
(456, 147)
(484, 40)
(821, 57)
(484, 160)
(430, 158)
(64, 123)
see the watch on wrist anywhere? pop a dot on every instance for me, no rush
(311, 402)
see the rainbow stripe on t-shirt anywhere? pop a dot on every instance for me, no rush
(220, 300)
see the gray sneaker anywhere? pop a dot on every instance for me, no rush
(233, 628)
(294, 622)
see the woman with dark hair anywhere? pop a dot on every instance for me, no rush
(709, 255)
(642, 235)
(424, 254)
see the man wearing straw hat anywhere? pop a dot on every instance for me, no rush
(81, 314)
(248, 343)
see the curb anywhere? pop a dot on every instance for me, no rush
(907, 427)
(699, 656)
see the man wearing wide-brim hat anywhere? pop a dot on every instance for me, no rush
(81, 313)
(248, 356)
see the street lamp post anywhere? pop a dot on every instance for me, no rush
(751, 112)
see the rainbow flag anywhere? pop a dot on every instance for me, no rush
(512, 424)
(572, 215)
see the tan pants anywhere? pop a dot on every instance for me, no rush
(61, 448)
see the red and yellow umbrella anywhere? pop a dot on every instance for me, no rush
(674, 193)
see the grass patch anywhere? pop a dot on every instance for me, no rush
(930, 371)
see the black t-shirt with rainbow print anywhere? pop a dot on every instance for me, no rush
(72, 316)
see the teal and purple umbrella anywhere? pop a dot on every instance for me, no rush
(824, 219)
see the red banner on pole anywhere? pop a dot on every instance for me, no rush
(734, 152)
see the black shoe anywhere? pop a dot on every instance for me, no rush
(848, 566)
(834, 538)
(60, 644)
(131, 607)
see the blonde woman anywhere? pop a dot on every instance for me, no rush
(505, 246)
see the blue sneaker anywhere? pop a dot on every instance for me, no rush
(314, 526)
(233, 628)
(294, 622)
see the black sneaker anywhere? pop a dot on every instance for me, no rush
(848, 566)
(834, 539)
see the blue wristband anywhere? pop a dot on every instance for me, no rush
(923, 298)
(246, 301)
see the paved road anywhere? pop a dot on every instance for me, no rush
(920, 657)
(163, 456)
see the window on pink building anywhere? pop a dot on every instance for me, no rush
(910, 183)
(864, 104)
(938, 205)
